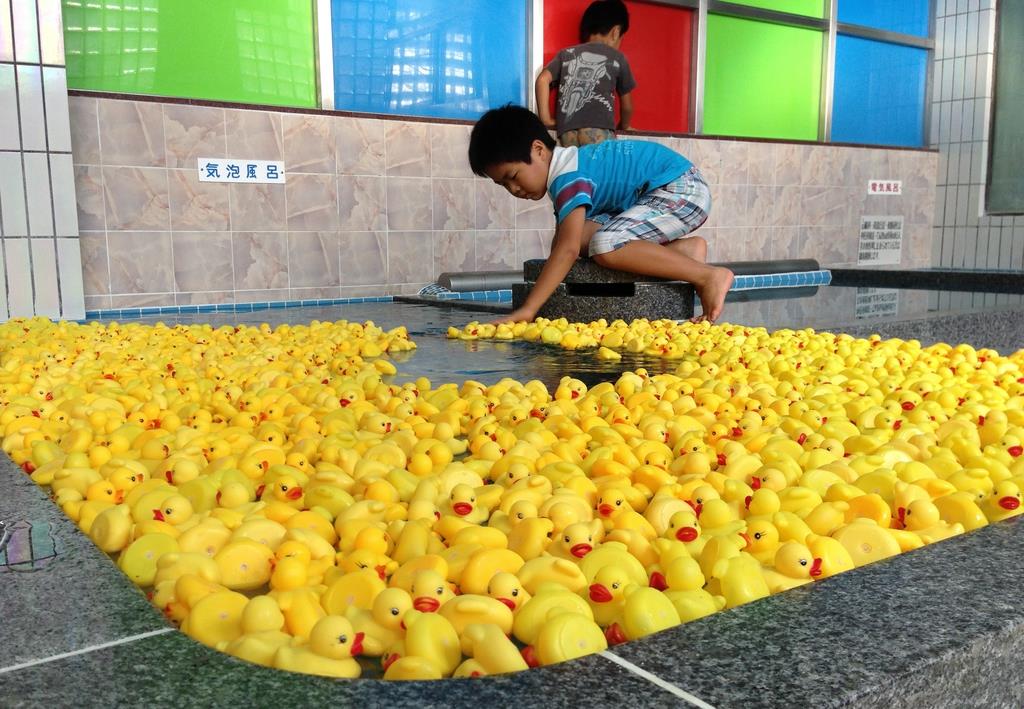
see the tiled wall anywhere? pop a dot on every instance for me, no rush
(964, 236)
(39, 248)
(378, 207)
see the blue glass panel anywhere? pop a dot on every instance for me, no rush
(879, 93)
(906, 16)
(428, 57)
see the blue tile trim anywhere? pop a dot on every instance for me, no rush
(119, 313)
(822, 277)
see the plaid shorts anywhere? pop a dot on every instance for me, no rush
(663, 214)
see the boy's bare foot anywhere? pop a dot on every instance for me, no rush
(712, 294)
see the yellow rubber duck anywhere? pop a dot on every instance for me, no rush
(834, 557)
(382, 624)
(330, 651)
(430, 590)
(686, 590)
(491, 651)
(647, 611)
(922, 517)
(530, 619)
(1003, 502)
(262, 634)
(464, 610)
(793, 566)
(566, 636)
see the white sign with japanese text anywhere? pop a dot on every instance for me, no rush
(885, 187)
(262, 172)
(877, 302)
(881, 239)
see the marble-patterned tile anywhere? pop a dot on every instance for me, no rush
(449, 150)
(495, 207)
(814, 165)
(254, 135)
(917, 169)
(312, 202)
(361, 202)
(762, 164)
(840, 170)
(496, 250)
(823, 206)
(96, 302)
(207, 297)
(257, 207)
(735, 163)
(920, 205)
(192, 132)
(195, 205)
(140, 262)
(371, 291)
(408, 149)
(532, 244)
(313, 259)
(725, 246)
(454, 204)
(261, 296)
(89, 197)
(917, 245)
(454, 251)
(410, 257)
(360, 145)
(364, 258)
(788, 163)
(784, 242)
(761, 204)
(532, 214)
(729, 206)
(757, 240)
(95, 272)
(308, 143)
(85, 130)
(317, 293)
(830, 245)
(787, 211)
(409, 203)
(707, 156)
(202, 259)
(135, 198)
(142, 300)
(131, 133)
(260, 259)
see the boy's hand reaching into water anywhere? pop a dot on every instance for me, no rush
(517, 315)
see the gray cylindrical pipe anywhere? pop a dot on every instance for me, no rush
(479, 280)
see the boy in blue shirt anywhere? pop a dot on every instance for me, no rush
(628, 204)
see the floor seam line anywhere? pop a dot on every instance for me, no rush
(85, 650)
(654, 679)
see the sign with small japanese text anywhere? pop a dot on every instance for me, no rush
(881, 239)
(885, 187)
(877, 302)
(260, 172)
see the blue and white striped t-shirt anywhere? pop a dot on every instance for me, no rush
(609, 177)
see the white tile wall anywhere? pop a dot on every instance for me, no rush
(44, 278)
(41, 275)
(12, 195)
(19, 278)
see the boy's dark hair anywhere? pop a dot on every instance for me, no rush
(505, 134)
(601, 16)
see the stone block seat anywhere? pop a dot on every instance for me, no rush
(590, 291)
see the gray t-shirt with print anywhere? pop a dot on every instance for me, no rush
(588, 75)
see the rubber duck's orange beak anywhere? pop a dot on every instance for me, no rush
(755, 482)
(158, 515)
(737, 431)
(1015, 451)
(605, 510)
(816, 568)
(747, 500)
(295, 493)
(658, 581)
(686, 534)
(389, 660)
(509, 602)
(599, 593)
(746, 539)
(357, 643)
(615, 635)
(907, 406)
(901, 515)
(581, 550)
(462, 508)
(119, 496)
(530, 656)
(426, 604)
(382, 571)
(1009, 502)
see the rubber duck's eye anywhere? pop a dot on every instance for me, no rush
(361, 566)
(440, 590)
(515, 592)
(618, 502)
(394, 611)
(615, 585)
(567, 538)
(758, 535)
(803, 562)
(700, 500)
(342, 639)
(511, 475)
(167, 511)
(284, 488)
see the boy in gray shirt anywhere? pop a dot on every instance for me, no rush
(588, 76)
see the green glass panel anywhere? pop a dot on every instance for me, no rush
(761, 79)
(808, 8)
(247, 51)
